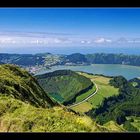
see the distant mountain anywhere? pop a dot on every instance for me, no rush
(44, 59)
(48, 59)
(76, 58)
(19, 84)
(21, 59)
(64, 85)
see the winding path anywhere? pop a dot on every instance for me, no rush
(69, 106)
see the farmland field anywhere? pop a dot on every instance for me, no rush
(104, 90)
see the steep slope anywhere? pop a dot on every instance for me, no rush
(17, 116)
(21, 85)
(64, 85)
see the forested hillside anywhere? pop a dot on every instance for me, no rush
(64, 85)
(118, 108)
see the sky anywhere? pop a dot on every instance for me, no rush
(24, 30)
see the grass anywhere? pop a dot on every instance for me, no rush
(18, 83)
(17, 116)
(84, 107)
(112, 126)
(85, 95)
(136, 122)
(104, 91)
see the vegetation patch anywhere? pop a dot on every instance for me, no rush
(105, 90)
(19, 84)
(118, 108)
(65, 85)
(17, 116)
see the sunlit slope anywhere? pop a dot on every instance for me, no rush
(17, 116)
(19, 84)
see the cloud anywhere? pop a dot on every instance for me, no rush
(102, 40)
(52, 39)
(83, 41)
(22, 38)
(128, 40)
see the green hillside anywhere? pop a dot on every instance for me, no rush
(22, 103)
(118, 108)
(17, 116)
(64, 85)
(105, 90)
(21, 85)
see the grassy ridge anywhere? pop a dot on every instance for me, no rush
(17, 116)
(19, 84)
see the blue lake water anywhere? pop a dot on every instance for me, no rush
(127, 71)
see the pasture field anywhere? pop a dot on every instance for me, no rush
(104, 91)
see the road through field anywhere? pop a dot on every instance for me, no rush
(69, 106)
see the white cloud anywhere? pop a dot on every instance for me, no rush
(23, 39)
(108, 40)
(102, 40)
(128, 40)
(83, 41)
(37, 38)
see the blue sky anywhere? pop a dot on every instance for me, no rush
(65, 27)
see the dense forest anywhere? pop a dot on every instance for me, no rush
(117, 108)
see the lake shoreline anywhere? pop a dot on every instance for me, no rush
(111, 70)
